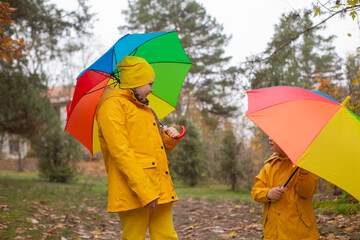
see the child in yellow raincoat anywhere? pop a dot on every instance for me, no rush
(140, 189)
(288, 213)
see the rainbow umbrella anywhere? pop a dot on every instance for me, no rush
(316, 132)
(162, 50)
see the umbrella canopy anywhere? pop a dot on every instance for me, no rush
(316, 132)
(162, 50)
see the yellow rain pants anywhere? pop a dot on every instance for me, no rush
(135, 222)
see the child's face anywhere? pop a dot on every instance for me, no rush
(144, 90)
(275, 148)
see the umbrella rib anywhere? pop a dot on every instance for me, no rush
(99, 72)
(91, 91)
(111, 76)
(112, 61)
(100, 88)
(136, 49)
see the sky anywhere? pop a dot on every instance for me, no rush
(251, 23)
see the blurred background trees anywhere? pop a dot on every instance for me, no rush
(9, 47)
(37, 38)
(187, 159)
(204, 90)
(230, 166)
(44, 34)
(294, 63)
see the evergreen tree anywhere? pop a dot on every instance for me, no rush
(230, 168)
(204, 42)
(25, 107)
(186, 160)
(296, 63)
(57, 152)
(47, 31)
(24, 81)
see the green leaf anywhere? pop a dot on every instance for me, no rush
(317, 12)
(353, 14)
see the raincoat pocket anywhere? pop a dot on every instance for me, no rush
(149, 166)
(303, 214)
(148, 163)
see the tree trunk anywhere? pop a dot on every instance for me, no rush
(2, 139)
(233, 181)
(20, 163)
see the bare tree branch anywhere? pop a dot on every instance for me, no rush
(283, 45)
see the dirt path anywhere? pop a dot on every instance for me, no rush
(196, 219)
(193, 219)
(214, 220)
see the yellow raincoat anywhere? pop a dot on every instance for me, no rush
(133, 151)
(292, 217)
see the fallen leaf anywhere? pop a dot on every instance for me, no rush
(331, 236)
(97, 231)
(20, 230)
(4, 207)
(218, 230)
(32, 220)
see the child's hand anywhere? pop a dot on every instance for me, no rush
(152, 205)
(171, 132)
(275, 193)
(303, 172)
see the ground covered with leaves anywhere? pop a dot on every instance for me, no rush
(199, 219)
(33, 209)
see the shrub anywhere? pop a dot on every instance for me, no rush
(58, 153)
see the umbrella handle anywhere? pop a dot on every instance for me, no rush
(68, 109)
(297, 168)
(182, 134)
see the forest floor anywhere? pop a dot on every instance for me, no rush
(33, 209)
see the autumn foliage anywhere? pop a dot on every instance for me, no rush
(9, 48)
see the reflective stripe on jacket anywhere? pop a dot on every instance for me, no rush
(292, 217)
(133, 151)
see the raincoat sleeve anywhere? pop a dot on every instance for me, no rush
(169, 143)
(306, 186)
(260, 189)
(111, 120)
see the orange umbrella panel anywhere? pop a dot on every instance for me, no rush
(316, 132)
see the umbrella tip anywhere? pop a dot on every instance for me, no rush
(244, 116)
(345, 102)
